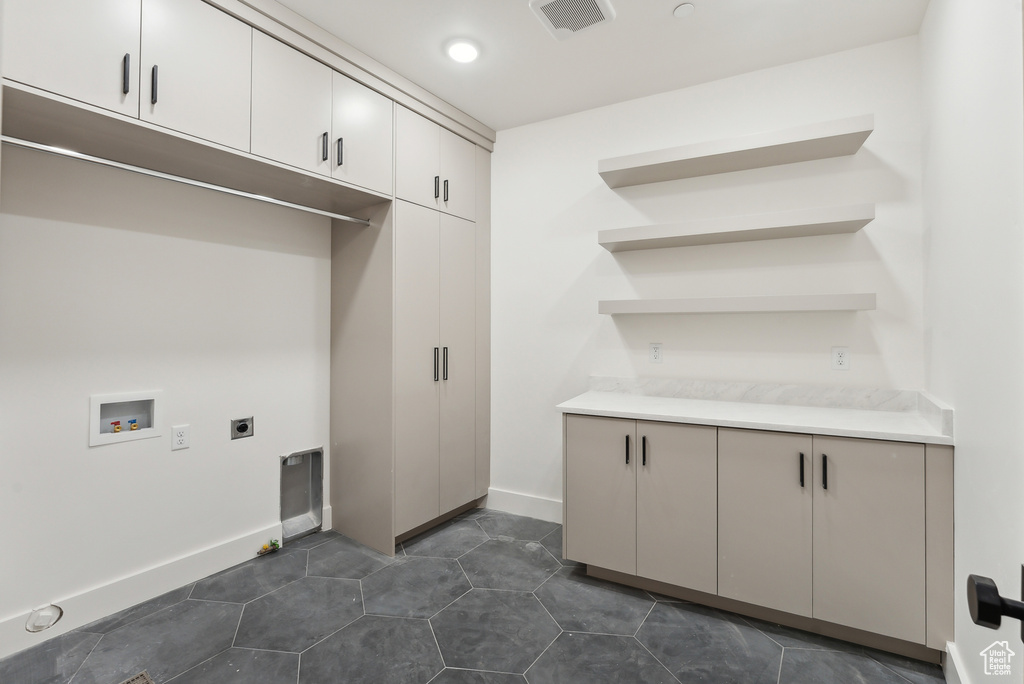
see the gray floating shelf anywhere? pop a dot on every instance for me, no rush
(752, 304)
(805, 143)
(800, 223)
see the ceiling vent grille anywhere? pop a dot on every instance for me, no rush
(564, 18)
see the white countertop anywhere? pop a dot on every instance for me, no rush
(900, 426)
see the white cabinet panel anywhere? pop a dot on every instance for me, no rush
(364, 136)
(458, 171)
(434, 167)
(76, 49)
(203, 63)
(291, 106)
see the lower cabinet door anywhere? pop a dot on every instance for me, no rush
(600, 492)
(676, 534)
(869, 536)
(765, 492)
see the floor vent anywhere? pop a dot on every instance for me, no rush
(563, 18)
(141, 678)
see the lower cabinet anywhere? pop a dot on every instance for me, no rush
(640, 498)
(827, 528)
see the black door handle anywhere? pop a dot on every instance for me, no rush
(445, 189)
(326, 155)
(643, 450)
(436, 350)
(824, 471)
(801, 470)
(437, 187)
(341, 151)
(627, 449)
(154, 79)
(126, 73)
(988, 607)
(446, 363)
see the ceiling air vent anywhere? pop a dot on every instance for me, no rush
(563, 18)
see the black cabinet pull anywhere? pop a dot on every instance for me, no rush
(445, 189)
(643, 450)
(154, 79)
(446, 363)
(341, 151)
(627, 449)
(126, 73)
(437, 187)
(801, 470)
(325, 152)
(436, 350)
(824, 471)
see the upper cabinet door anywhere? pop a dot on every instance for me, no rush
(417, 172)
(76, 49)
(196, 71)
(291, 106)
(363, 136)
(458, 176)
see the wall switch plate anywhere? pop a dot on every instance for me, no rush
(241, 427)
(654, 352)
(179, 437)
(840, 358)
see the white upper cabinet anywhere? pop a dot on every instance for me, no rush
(434, 167)
(78, 49)
(363, 136)
(196, 71)
(291, 106)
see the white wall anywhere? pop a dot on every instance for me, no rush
(113, 282)
(549, 272)
(974, 189)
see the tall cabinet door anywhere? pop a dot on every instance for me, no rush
(417, 146)
(866, 574)
(676, 534)
(458, 361)
(203, 59)
(417, 366)
(363, 136)
(765, 493)
(600, 492)
(291, 106)
(77, 49)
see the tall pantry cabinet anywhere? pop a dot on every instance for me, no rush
(409, 392)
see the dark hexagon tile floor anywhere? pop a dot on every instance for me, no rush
(325, 609)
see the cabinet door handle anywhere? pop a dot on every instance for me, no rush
(627, 449)
(824, 471)
(153, 80)
(324, 138)
(445, 189)
(126, 73)
(437, 187)
(436, 350)
(643, 450)
(801, 470)
(341, 151)
(446, 363)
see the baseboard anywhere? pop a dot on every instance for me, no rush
(328, 518)
(91, 605)
(524, 504)
(953, 668)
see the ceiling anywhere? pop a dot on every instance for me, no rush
(525, 75)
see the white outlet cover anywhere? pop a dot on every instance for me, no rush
(179, 437)
(841, 358)
(655, 352)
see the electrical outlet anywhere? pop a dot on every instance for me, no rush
(654, 352)
(241, 427)
(179, 437)
(840, 358)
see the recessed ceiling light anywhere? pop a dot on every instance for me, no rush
(462, 51)
(684, 10)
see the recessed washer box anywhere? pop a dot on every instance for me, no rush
(124, 417)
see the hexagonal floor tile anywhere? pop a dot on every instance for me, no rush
(453, 676)
(509, 564)
(701, 644)
(253, 578)
(577, 658)
(499, 631)
(165, 643)
(414, 587)
(584, 604)
(374, 650)
(300, 614)
(809, 667)
(345, 559)
(243, 666)
(450, 540)
(51, 662)
(497, 524)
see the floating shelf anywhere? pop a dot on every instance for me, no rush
(754, 304)
(800, 223)
(805, 143)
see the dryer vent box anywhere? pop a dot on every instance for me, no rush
(565, 18)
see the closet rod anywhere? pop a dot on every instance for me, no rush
(17, 142)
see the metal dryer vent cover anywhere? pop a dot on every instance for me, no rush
(563, 18)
